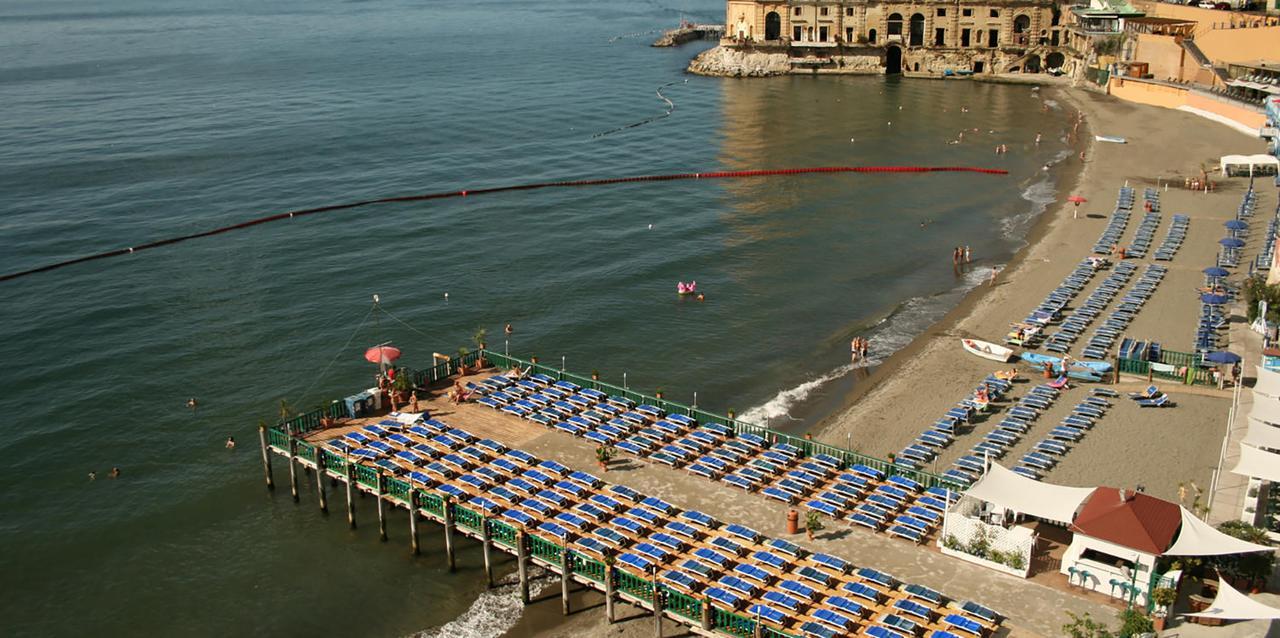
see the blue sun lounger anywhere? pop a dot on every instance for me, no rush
(622, 522)
(712, 556)
(680, 580)
(863, 591)
(681, 529)
(518, 517)
(980, 612)
(695, 516)
(635, 561)
(590, 511)
(724, 597)
(812, 575)
(830, 562)
(770, 559)
(735, 584)
(752, 572)
(722, 543)
(833, 619)
(905, 531)
(610, 536)
(798, 588)
(962, 624)
(1065, 433)
(912, 608)
(812, 629)
(767, 613)
(782, 600)
(606, 502)
(1028, 472)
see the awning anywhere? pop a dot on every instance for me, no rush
(1010, 490)
(1258, 463)
(1265, 409)
(1230, 604)
(1268, 384)
(1198, 538)
(1263, 435)
(1250, 163)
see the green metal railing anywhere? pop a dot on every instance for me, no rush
(501, 533)
(808, 447)
(591, 568)
(366, 476)
(333, 462)
(544, 549)
(310, 421)
(432, 503)
(635, 586)
(681, 604)
(731, 623)
(396, 488)
(467, 518)
(1188, 368)
(278, 440)
(306, 451)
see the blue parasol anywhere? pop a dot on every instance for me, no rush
(1231, 242)
(1216, 271)
(1236, 224)
(1222, 357)
(1212, 299)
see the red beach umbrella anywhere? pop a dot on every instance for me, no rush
(382, 354)
(1077, 200)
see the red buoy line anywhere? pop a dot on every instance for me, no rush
(500, 189)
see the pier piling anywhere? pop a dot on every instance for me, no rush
(351, 504)
(486, 546)
(608, 593)
(564, 578)
(706, 614)
(266, 455)
(657, 606)
(320, 478)
(448, 534)
(382, 516)
(522, 565)
(293, 468)
(413, 522)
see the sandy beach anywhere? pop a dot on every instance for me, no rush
(1157, 448)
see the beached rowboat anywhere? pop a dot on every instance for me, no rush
(987, 350)
(1109, 138)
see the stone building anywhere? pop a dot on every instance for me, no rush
(930, 37)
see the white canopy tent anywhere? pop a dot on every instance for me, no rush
(1268, 384)
(1230, 604)
(1010, 490)
(1258, 463)
(1262, 434)
(1198, 538)
(1261, 164)
(1266, 410)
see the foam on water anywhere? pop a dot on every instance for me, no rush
(889, 335)
(492, 614)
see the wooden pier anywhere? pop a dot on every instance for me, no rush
(462, 470)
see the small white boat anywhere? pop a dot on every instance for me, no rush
(1109, 138)
(987, 350)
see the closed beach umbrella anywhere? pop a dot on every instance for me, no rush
(1231, 242)
(1222, 357)
(1215, 271)
(1236, 224)
(1212, 299)
(382, 355)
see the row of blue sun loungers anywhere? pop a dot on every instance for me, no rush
(1143, 236)
(1131, 348)
(1130, 305)
(734, 566)
(996, 444)
(1211, 329)
(1050, 309)
(857, 494)
(1046, 453)
(1174, 238)
(942, 433)
(1115, 228)
(1074, 324)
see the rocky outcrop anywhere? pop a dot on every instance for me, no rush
(724, 61)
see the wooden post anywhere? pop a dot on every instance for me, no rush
(706, 614)
(486, 546)
(565, 571)
(758, 631)
(608, 593)
(266, 455)
(448, 535)
(522, 566)
(657, 606)
(351, 504)
(320, 479)
(413, 521)
(382, 516)
(293, 468)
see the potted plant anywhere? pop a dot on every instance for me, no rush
(658, 393)
(595, 375)
(603, 456)
(462, 364)
(1164, 598)
(479, 338)
(812, 523)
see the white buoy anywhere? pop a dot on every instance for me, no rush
(446, 296)
(650, 226)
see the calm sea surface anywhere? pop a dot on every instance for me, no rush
(133, 120)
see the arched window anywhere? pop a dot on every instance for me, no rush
(917, 29)
(772, 25)
(895, 24)
(1021, 24)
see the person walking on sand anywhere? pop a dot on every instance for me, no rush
(413, 401)
(994, 271)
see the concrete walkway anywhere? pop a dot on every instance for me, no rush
(1031, 608)
(1231, 489)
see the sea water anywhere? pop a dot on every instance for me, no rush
(135, 120)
